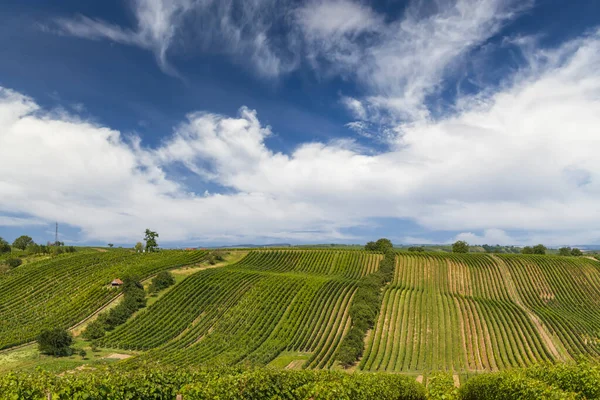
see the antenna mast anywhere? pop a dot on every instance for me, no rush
(56, 235)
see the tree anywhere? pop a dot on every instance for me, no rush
(370, 246)
(110, 245)
(14, 262)
(161, 281)
(576, 252)
(527, 250)
(382, 245)
(460, 247)
(539, 249)
(82, 353)
(564, 251)
(55, 342)
(94, 330)
(22, 242)
(4, 246)
(139, 247)
(150, 239)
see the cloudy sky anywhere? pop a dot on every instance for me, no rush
(260, 121)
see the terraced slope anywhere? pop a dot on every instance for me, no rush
(250, 312)
(64, 290)
(483, 312)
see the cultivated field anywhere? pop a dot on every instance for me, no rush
(62, 291)
(485, 312)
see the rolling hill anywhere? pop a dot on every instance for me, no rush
(291, 308)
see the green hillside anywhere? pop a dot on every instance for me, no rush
(61, 291)
(290, 308)
(250, 312)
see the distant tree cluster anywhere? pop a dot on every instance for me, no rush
(567, 251)
(500, 249)
(417, 249)
(381, 245)
(537, 249)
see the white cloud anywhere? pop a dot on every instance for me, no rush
(402, 61)
(231, 26)
(17, 221)
(521, 160)
(490, 236)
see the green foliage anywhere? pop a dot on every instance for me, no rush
(216, 256)
(382, 245)
(564, 251)
(13, 262)
(111, 245)
(543, 381)
(460, 246)
(161, 281)
(22, 242)
(55, 342)
(4, 246)
(134, 298)
(440, 386)
(150, 239)
(539, 249)
(82, 353)
(527, 250)
(139, 247)
(364, 310)
(68, 288)
(576, 252)
(417, 249)
(154, 382)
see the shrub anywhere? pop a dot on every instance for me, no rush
(539, 249)
(94, 330)
(440, 386)
(576, 252)
(416, 249)
(161, 281)
(55, 342)
(527, 250)
(14, 262)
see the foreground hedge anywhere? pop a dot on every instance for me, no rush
(544, 381)
(166, 383)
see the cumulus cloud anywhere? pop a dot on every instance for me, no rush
(521, 159)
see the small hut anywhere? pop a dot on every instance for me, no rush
(116, 283)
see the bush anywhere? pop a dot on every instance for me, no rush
(382, 245)
(14, 262)
(440, 386)
(539, 249)
(4, 246)
(564, 251)
(161, 281)
(55, 342)
(94, 330)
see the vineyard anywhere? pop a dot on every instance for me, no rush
(481, 312)
(61, 291)
(253, 310)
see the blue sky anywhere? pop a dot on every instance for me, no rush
(222, 122)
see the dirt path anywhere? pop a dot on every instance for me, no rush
(514, 294)
(456, 380)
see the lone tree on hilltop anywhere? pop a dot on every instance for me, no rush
(460, 246)
(110, 245)
(22, 242)
(576, 252)
(150, 239)
(55, 342)
(539, 249)
(382, 245)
